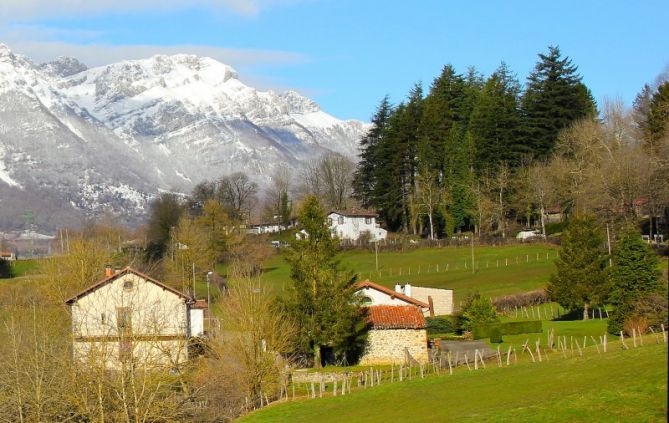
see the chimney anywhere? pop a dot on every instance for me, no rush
(108, 270)
(398, 288)
(407, 290)
(117, 270)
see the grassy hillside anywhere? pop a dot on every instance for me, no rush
(617, 386)
(499, 270)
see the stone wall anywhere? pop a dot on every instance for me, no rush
(386, 346)
(442, 299)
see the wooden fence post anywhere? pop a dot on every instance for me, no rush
(622, 340)
(595, 342)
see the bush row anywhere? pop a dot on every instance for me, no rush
(525, 299)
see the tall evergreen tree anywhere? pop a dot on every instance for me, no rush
(396, 168)
(322, 300)
(554, 98)
(442, 108)
(635, 274)
(495, 122)
(580, 280)
(658, 115)
(387, 191)
(364, 177)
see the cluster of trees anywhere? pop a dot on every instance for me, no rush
(628, 278)
(478, 154)
(243, 369)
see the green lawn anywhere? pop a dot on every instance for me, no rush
(499, 270)
(23, 267)
(620, 385)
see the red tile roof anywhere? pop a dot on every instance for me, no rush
(395, 317)
(393, 294)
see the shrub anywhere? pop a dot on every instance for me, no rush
(496, 335)
(636, 323)
(555, 227)
(440, 324)
(477, 311)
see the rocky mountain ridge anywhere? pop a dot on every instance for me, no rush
(76, 142)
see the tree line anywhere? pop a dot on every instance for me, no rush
(479, 153)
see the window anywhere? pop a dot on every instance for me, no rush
(329, 221)
(366, 301)
(341, 220)
(103, 318)
(127, 285)
(368, 221)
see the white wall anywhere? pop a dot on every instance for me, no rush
(196, 322)
(442, 299)
(154, 312)
(380, 298)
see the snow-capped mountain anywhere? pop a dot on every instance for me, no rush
(75, 141)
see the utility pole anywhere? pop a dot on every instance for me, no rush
(376, 253)
(608, 241)
(473, 271)
(208, 282)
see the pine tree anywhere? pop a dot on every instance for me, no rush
(495, 122)
(322, 300)
(397, 163)
(363, 179)
(658, 115)
(387, 191)
(635, 274)
(554, 98)
(580, 279)
(442, 108)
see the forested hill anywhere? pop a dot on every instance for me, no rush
(481, 154)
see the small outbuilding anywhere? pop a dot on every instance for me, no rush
(397, 334)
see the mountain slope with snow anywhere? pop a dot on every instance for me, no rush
(75, 142)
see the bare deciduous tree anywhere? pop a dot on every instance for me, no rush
(237, 193)
(330, 180)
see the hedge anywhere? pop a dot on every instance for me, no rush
(441, 324)
(497, 330)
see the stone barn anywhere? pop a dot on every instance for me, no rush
(396, 332)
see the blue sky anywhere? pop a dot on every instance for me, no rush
(347, 54)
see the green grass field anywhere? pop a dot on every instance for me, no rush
(620, 385)
(499, 270)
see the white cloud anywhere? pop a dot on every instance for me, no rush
(26, 10)
(98, 54)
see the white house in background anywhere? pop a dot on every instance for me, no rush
(129, 317)
(430, 301)
(264, 228)
(349, 225)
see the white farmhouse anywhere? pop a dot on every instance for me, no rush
(129, 317)
(349, 225)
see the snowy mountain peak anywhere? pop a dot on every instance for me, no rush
(63, 66)
(77, 141)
